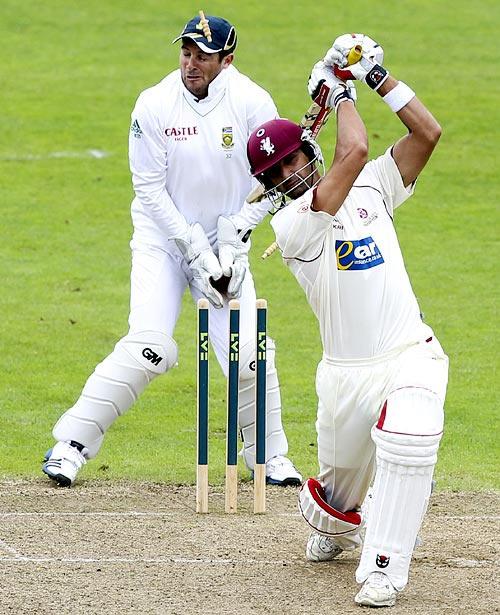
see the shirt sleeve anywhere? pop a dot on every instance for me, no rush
(384, 172)
(148, 165)
(262, 110)
(300, 231)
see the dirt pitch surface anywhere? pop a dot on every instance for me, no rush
(140, 548)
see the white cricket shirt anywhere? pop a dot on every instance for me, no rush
(188, 157)
(351, 267)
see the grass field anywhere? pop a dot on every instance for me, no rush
(71, 74)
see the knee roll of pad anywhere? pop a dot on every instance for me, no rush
(406, 449)
(413, 410)
(115, 385)
(247, 358)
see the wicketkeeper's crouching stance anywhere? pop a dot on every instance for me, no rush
(382, 381)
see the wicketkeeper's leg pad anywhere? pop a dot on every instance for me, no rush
(344, 528)
(276, 442)
(114, 386)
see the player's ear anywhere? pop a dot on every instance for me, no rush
(227, 60)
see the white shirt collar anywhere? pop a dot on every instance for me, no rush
(216, 92)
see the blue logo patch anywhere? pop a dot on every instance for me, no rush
(357, 254)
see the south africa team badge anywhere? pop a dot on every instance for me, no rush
(227, 137)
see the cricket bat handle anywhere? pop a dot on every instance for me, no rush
(268, 251)
(353, 56)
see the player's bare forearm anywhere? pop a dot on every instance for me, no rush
(412, 152)
(351, 153)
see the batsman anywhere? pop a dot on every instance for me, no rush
(382, 379)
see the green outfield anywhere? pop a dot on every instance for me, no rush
(70, 75)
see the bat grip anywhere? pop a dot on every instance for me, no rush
(354, 55)
(272, 248)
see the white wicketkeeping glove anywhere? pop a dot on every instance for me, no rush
(326, 89)
(369, 68)
(234, 244)
(196, 249)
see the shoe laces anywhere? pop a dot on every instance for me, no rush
(278, 461)
(379, 579)
(75, 455)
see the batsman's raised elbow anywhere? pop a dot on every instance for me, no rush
(433, 133)
(359, 154)
(437, 132)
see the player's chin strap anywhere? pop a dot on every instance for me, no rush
(277, 194)
(344, 528)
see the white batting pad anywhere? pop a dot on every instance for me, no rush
(405, 464)
(114, 386)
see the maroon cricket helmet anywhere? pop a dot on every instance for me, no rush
(271, 142)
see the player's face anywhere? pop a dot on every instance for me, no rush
(199, 69)
(294, 174)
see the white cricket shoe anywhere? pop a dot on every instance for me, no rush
(281, 471)
(377, 590)
(321, 548)
(62, 463)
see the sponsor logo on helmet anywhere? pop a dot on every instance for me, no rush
(267, 146)
(357, 254)
(382, 561)
(227, 137)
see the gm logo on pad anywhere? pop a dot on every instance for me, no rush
(357, 254)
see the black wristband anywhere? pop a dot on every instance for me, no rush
(344, 95)
(376, 77)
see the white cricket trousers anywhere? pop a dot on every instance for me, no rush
(351, 395)
(158, 282)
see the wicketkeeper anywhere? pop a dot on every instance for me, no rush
(382, 380)
(187, 150)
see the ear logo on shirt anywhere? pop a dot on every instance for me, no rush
(357, 254)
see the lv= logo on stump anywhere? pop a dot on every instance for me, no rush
(231, 483)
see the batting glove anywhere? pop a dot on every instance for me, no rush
(234, 244)
(369, 68)
(204, 265)
(327, 90)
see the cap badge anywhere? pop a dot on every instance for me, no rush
(267, 146)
